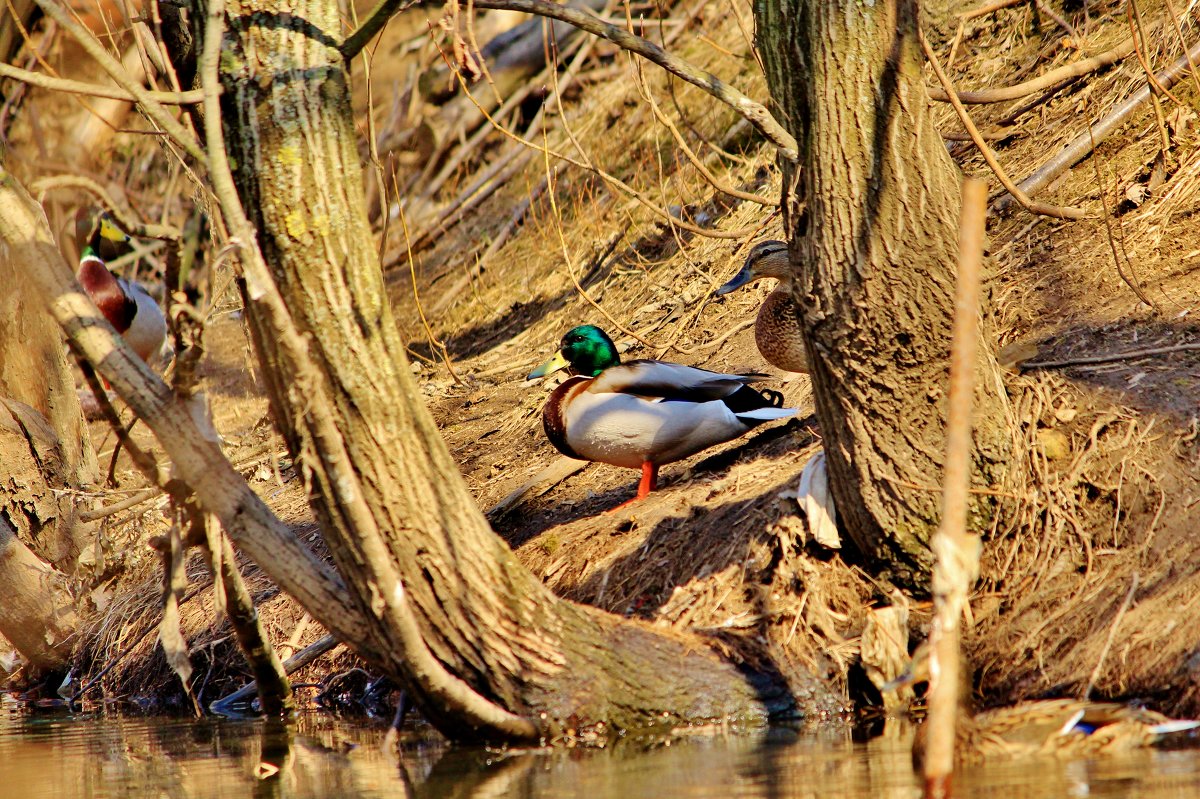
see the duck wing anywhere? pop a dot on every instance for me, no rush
(669, 381)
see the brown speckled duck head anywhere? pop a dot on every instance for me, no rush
(777, 329)
(766, 259)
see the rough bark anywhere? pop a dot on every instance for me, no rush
(20, 11)
(37, 615)
(484, 617)
(47, 446)
(870, 214)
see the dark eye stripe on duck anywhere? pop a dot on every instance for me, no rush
(767, 248)
(554, 421)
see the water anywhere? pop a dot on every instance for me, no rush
(61, 756)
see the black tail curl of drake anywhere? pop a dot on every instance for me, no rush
(749, 399)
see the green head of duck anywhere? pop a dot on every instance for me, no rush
(106, 239)
(585, 350)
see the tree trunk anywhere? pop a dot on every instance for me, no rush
(47, 447)
(37, 615)
(396, 514)
(870, 213)
(44, 448)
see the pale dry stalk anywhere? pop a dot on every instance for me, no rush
(956, 550)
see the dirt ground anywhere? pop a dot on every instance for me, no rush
(1091, 573)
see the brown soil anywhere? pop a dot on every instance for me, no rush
(1090, 576)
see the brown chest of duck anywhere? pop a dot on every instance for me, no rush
(777, 328)
(644, 413)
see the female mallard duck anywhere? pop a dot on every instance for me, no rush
(1059, 728)
(643, 413)
(1048, 727)
(777, 329)
(125, 304)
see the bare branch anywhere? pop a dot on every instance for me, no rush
(128, 223)
(373, 24)
(95, 89)
(197, 458)
(296, 662)
(957, 549)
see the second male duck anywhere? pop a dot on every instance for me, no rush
(643, 414)
(125, 303)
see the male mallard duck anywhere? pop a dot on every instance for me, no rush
(777, 329)
(643, 413)
(125, 304)
(111, 242)
(1048, 727)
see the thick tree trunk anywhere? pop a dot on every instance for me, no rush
(44, 448)
(871, 214)
(37, 615)
(47, 447)
(421, 542)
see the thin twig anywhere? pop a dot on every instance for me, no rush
(1183, 44)
(146, 463)
(1129, 280)
(613, 181)
(131, 501)
(707, 174)
(1142, 52)
(435, 344)
(1128, 355)
(1135, 25)
(1056, 211)
(451, 294)
(1058, 19)
(1112, 634)
(451, 165)
(562, 241)
(293, 664)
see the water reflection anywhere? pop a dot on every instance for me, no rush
(112, 756)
